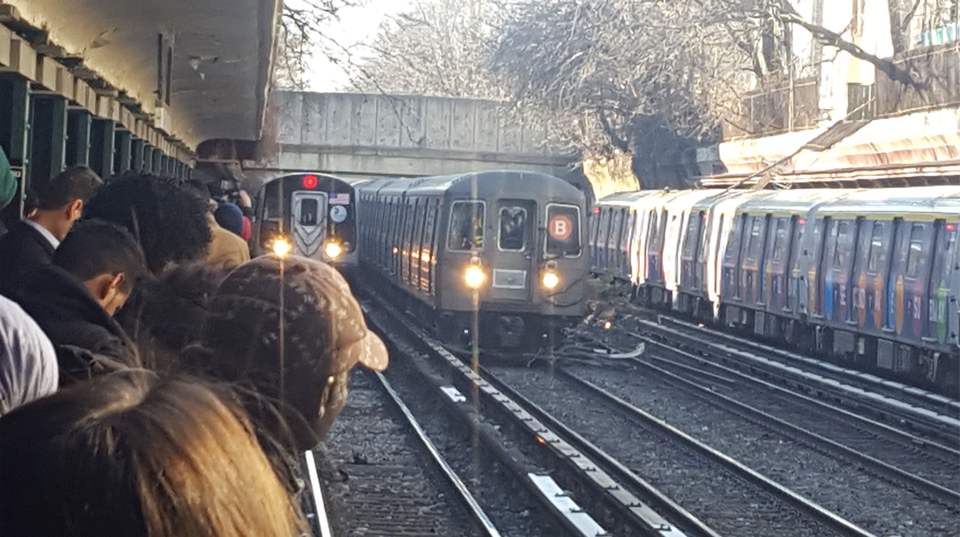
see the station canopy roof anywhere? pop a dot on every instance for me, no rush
(214, 55)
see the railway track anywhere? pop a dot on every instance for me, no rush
(571, 484)
(727, 495)
(930, 416)
(927, 467)
(385, 477)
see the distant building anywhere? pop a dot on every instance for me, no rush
(830, 118)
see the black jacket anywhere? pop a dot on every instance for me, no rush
(89, 341)
(22, 250)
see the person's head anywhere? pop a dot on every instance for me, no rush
(301, 355)
(169, 221)
(176, 304)
(60, 201)
(131, 454)
(105, 257)
(28, 361)
(230, 217)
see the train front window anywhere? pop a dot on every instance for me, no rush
(466, 226)
(563, 230)
(513, 224)
(308, 212)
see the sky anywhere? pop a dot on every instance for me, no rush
(357, 25)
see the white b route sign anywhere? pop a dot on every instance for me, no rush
(560, 227)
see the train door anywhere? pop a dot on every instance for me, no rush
(916, 279)
(308, 222)
(751, 267)
(626, 244)
(600, 261)
(516, 265)
(688, 253)
(817, 253)
(730, 287)
(408, 207)
(777, 264)
(938, 300)
(794, 287)
(613, 240)
(872, 269)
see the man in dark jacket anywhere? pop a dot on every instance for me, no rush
(74, 299)
(31, 242)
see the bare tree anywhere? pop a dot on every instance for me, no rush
(302, 36)
(437, 48)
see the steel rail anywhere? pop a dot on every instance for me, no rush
(748, 412)
(945, 405)
(937, 423)
(680, 516)
(632, 513)
(943, 451)
(822, 515)
(476, 511)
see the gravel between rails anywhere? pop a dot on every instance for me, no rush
(722, 500)
(897, 451)
(378, 479)
(871, 502)
(511, 507)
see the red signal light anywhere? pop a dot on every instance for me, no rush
(802, 221)
(951, 227)
(310, 182)
(596, 210)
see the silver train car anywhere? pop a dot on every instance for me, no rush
(508, 243)
(307, 214)
(869, 277)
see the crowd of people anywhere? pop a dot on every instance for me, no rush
(154, 380)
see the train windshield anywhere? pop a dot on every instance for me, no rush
(466, 226)
(563, 231)
(513, 223)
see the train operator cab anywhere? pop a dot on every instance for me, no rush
(507, 243)
(309, 215)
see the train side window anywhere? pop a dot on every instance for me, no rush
(780, 240)
(513, 225)
(841, 231)
(916, 250)
(755, 246)
(466, 226)
(876, 248)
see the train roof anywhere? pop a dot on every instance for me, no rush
(926, 203)
(496, 183)
(788, 202)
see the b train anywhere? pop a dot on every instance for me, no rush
(870, 276)
(307, 214)
(512, 241)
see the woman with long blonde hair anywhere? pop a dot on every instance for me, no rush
(135, 455)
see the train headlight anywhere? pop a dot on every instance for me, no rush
(474, 277)
(281, 247)
(550, 280)
(333, 250)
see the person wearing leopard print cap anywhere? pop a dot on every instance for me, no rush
(289, 330)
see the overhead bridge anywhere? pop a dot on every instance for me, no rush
(374, 135)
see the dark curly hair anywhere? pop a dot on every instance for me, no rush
(169, 220)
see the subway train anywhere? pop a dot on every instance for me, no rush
(307, 214)
(869, 277)
(506, 243)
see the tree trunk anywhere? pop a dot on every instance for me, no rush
(897, 27)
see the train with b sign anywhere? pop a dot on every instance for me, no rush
(507, 244)
(869, 277)
(308, 214)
